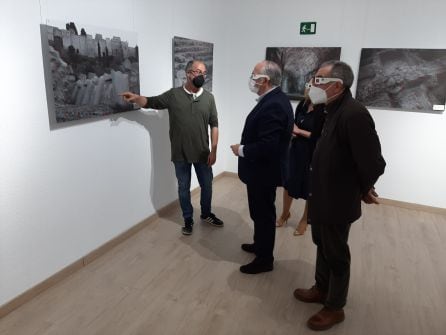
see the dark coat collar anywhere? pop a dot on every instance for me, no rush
(334, 106)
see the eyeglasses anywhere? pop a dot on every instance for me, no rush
(307, 85)
(323, 80)
(258, 76)
(198, 72)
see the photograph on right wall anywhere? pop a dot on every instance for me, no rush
(409, 79)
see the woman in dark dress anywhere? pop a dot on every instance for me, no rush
(308, 122)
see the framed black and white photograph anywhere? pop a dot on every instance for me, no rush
(299, 65)
(85, 70)
(408, 79)
(185, 50)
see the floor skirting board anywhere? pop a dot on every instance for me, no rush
(412, 206)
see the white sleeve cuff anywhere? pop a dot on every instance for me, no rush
(240, 151)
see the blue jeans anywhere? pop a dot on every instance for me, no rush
(204, 176)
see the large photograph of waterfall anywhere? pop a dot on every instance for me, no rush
(299, 64)
(86, 69)
(185, 50)
(409, 79)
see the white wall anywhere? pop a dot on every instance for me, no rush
(65, 192)
(412, 143)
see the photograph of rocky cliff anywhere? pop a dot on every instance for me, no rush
(185, 50)
(85, 71)
(409, 79)
(299, 65)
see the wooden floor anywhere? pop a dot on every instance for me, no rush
(160, 282)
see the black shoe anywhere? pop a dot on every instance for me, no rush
(212, 219)
(248, 247)
(187, 229)
(257, 266)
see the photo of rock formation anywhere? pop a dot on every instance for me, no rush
(299, 65)
(84, 74)
(409, 79)
(185, 50)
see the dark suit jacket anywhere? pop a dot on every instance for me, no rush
(346, 163)
(266, 137)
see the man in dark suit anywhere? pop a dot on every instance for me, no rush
(262, 152)
(346, 164)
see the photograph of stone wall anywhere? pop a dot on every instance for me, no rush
(185, 50)
(409, 79)
(85, 71)
(299, 65)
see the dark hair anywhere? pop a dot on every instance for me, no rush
(340, 70)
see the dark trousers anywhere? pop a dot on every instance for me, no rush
(204, 176)
(332, 262)
(263, 212)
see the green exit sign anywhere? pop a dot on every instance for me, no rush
(308, 28)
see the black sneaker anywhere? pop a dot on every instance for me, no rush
(187, 229)
(213, 220)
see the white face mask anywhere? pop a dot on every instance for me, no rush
(252, 82)
(252, 86)
(317, 95)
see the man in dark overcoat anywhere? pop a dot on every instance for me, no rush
(346, 164)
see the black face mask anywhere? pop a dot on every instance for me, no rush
(198, 81)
